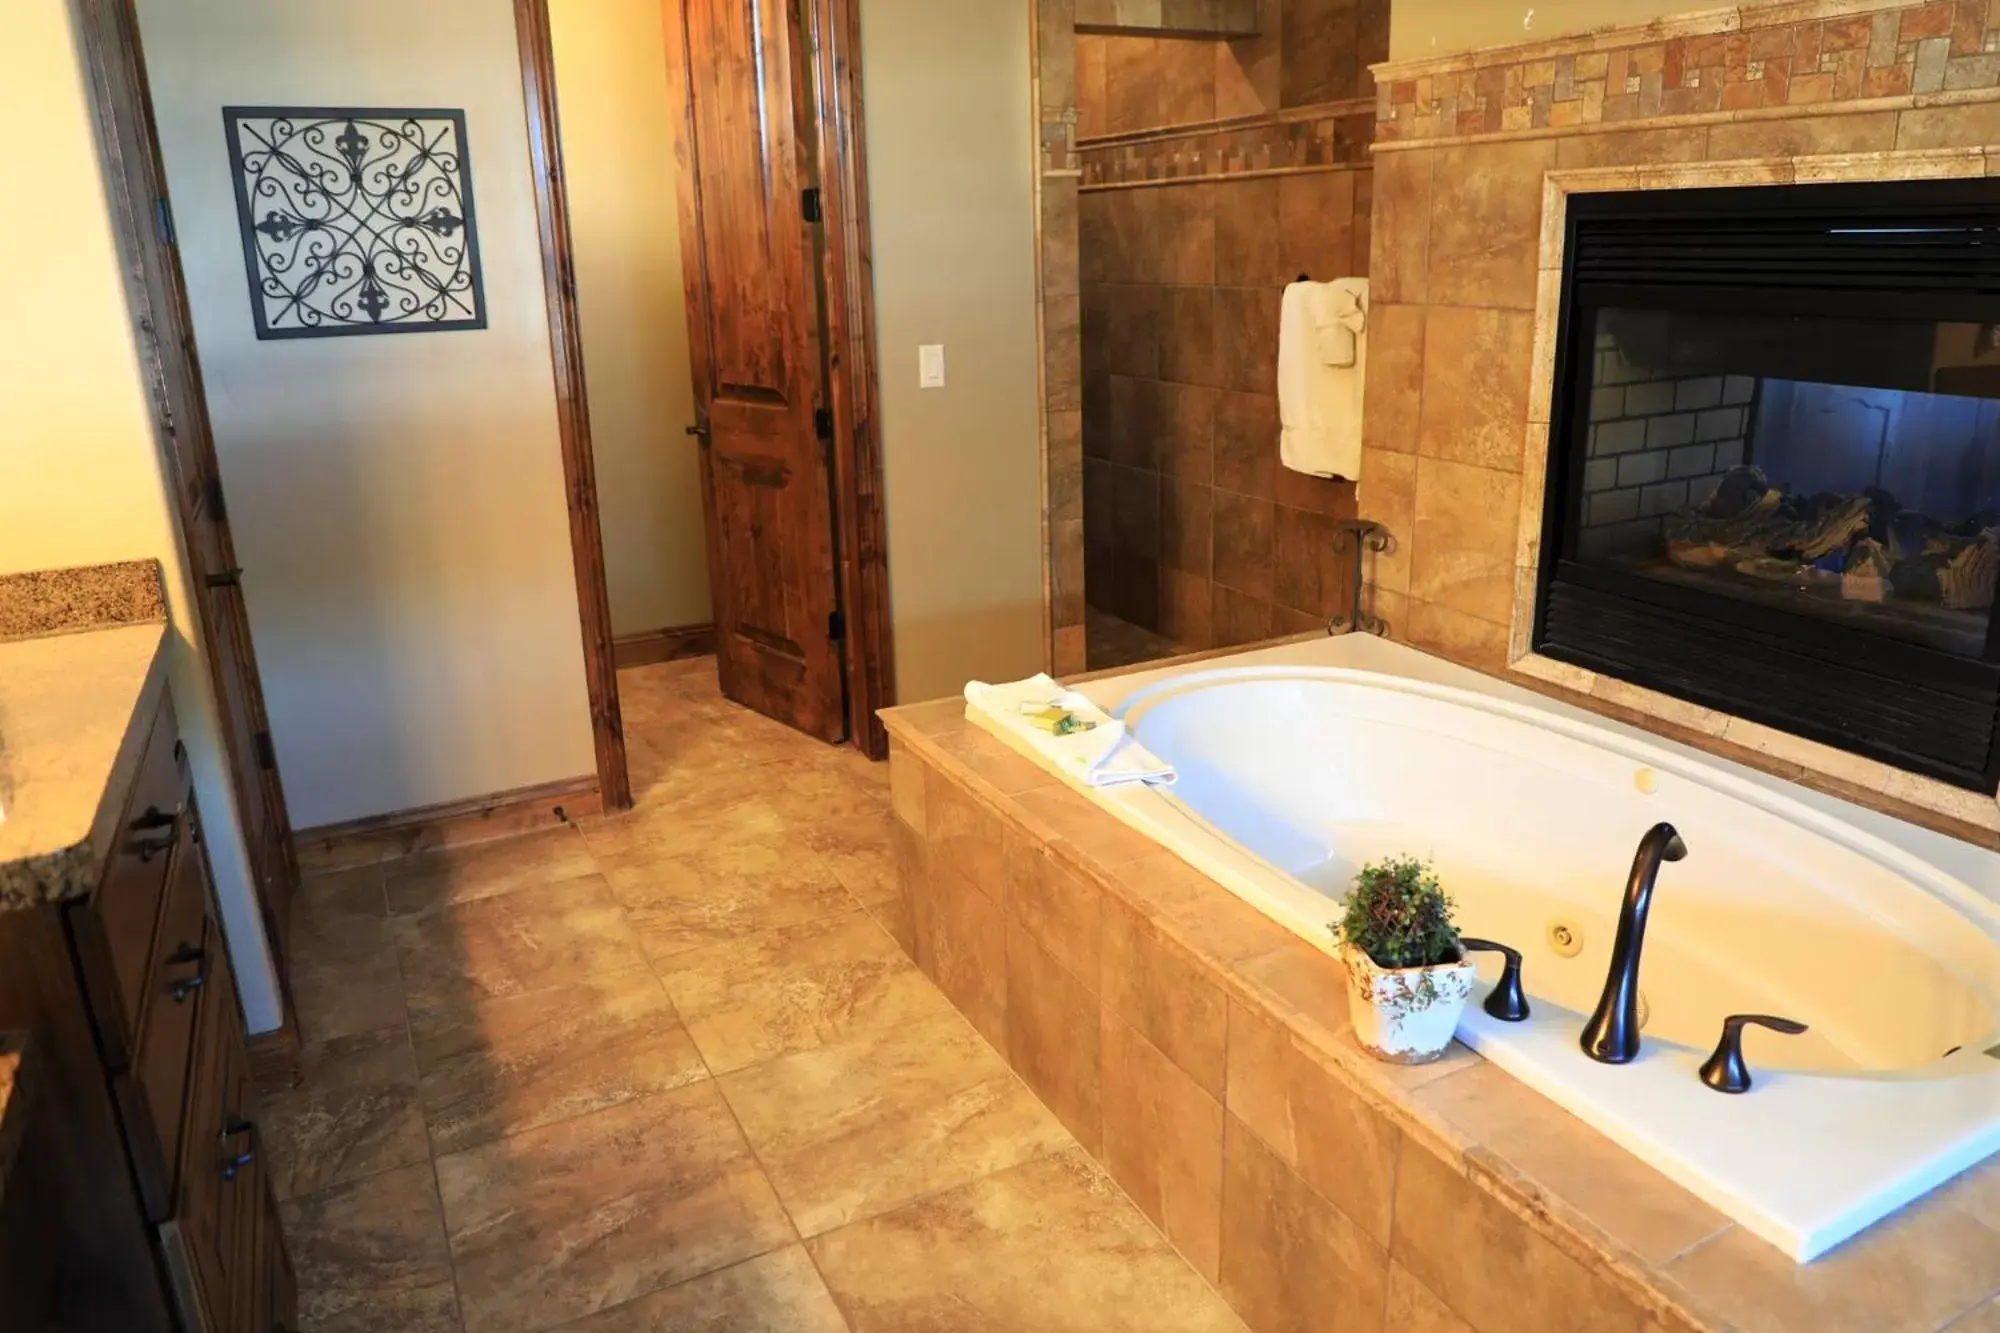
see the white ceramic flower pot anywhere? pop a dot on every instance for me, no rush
(1405, 1015)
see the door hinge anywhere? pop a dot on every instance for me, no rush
(163, 221)
(809, 202)
(212, 499)
(823, 422)
(267, 754)
(836, 625)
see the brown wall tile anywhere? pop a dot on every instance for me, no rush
(1175, 237)
(1186, 525)
(1191, 332)
(1306, 1114)
(906, 786)
(1186, 615)
(1052, 1037)
(1237, 617)
(1246, 442)
(1187, 432)
(1247, 70)
(1411, 1307)
(1949, 126)
(1874, 132)
(1309, 577)
(1631, 147)
(1291, 1261)
(899, 912)
(1462, 1244)
(962, 945)
(1059, 910)
(1331, 496)
(1247, 236)
(1245, 544)
(966, 834)
(1153, 984)
(1246, 339)
(1163, 1143)
(1316, 226)
(1136, 317)
(1477, 368)
(1092, 94)
(1486, 222)
(1321, 61)
(1462, 638)
(1399, 267)
(1394, 393)
(1132, 438)
(1388, 495)
(1464, 543)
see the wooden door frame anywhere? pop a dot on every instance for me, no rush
(832, 33)
(586, 532)
(111, 46)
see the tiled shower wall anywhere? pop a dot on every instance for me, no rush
(1192, 529)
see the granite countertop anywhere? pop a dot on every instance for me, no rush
(75, 702)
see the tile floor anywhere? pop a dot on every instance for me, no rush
(1110, 642)
(666, 1072)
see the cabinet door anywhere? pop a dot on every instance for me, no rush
(222, 1182)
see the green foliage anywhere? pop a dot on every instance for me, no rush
(1399, 915)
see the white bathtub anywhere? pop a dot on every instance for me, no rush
(1300, 763)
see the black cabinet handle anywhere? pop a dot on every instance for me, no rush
(700, 431)
(235, 1126)
(182, 988)
(154, 819)
(224, 578)
(1506, 1003)
(1725, 1071)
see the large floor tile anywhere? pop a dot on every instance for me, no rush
(780, 1292)
(371, 1256)
(587, 1213)
(508, 1064)
(859, 1126)
(527, 940)
(735, 886)
(343, 959)
(353, 1114)
(1049, 1246)
(483, 869)
(795, 988)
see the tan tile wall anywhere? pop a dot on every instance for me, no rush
(1203, 1054)
(1454, 271)
(1191, 527)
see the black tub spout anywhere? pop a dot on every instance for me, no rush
(1612, 1034)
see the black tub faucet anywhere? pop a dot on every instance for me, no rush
(1612, 1034)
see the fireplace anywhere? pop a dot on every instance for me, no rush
(1774, 463)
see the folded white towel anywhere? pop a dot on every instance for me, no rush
(1319, 392)
(1104, 756)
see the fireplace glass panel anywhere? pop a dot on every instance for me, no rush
(1845, 469)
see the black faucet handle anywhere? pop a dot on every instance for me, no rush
(1725, 1071)
(1506, 1003)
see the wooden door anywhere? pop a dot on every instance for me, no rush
(143, 218)
(747, 236)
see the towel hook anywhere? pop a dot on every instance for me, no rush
(1368, 536)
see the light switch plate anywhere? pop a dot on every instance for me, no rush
(930, 366)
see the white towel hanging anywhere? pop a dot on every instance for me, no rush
(1322, 367)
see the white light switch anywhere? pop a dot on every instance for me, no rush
(930, 366)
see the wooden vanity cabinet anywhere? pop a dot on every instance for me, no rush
(153, 966)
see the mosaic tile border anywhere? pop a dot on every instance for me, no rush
(1331, 135)
(1786, 55)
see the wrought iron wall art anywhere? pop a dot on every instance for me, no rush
(355, 221)
(1366, 536)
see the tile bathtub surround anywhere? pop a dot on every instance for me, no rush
(1319, 1188)
(1457, 397)
(671, 1070)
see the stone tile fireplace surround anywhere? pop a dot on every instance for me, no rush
(1475, 157)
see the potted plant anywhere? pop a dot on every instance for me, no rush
(1408, 978)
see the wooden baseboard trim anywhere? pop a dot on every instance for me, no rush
(663, 645)
(448, 824)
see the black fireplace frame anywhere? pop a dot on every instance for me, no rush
(1904, 249)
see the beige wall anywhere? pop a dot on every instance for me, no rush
(80, 479)
(618, 159)
(1419, 28)
(951, 162)
(397, 501)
